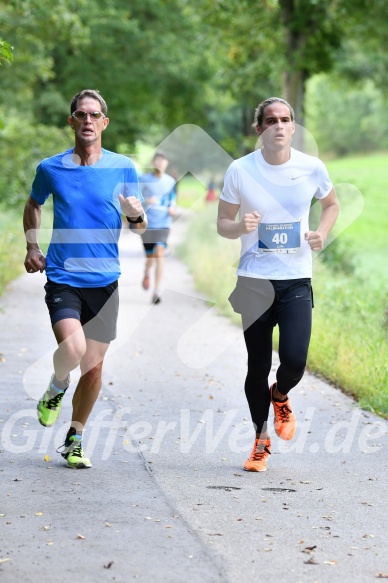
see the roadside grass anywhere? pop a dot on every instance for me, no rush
(350, 334)
(367, 236)
(12, 247)
(190, 193)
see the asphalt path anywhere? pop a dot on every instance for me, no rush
(167, 499)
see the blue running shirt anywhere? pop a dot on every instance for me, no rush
(83, 250)
(163, 191)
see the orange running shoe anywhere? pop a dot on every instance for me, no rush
(261, 451)
(284, 418)
(146, 281)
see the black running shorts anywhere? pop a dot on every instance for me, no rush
(95, 307)
(153, 237)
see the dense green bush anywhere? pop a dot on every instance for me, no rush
(23, 145)
(345, 119)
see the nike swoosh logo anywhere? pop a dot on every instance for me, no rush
(296, 177)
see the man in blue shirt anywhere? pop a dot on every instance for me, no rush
(159, 194)
(91, 188)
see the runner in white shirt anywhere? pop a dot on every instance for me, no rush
(271, 190)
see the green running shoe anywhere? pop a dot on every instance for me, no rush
(73, 453)
(49, 405)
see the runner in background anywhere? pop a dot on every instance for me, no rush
(158, 189)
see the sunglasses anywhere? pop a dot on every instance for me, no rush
(81, 115)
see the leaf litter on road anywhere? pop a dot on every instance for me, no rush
(309, 550)
(108, 565)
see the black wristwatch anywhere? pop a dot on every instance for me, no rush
(139, 219)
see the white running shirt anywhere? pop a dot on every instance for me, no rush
(282, 195)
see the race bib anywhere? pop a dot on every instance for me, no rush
(279, 237)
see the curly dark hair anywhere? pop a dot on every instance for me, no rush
(259, 111)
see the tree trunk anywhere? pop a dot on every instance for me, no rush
(295, 77)
(294, 92)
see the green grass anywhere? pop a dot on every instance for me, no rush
(367, 235)
(12, 247)
(13, 244)
(191, 193)
(350, 334)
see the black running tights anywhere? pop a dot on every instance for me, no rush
(294, 322)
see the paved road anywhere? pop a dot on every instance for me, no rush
(167, 499)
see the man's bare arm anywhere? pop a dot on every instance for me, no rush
(35, 260)
(329, 214)
(228, 227)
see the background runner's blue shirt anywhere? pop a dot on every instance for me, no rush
(83, 250)
(163, 190)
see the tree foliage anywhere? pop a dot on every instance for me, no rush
(163, 63)
(33, 28)
(5, 52)
(276, 46)
(346, 119)
(143, 56)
